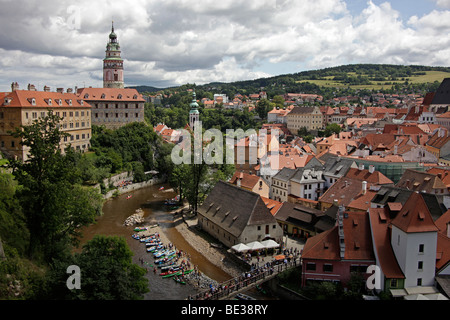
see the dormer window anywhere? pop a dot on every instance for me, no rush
(69, 102)
(103, 96)
(32, 101)
(49, 102)
(135, 96)
(59, 102)
(119, 96)
(86, 96)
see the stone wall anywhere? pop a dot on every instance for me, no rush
(132, 187)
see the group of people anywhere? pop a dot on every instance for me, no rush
(256, 273)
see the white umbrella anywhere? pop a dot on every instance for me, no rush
(240, 247)
(269, 243)
(255, 245)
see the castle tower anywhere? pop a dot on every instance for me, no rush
(113, 63)
(194, 115)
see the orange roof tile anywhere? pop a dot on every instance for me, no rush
(24, 98)
(414, 216)
(376, 177)
(382, 244)
(110, 94)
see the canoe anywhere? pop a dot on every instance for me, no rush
(172, 274)
(175, 269)
(152, 249)
(179, 281)
(158, 254)
(153, 243)
(165, 267)
(188, 271)
(164, 259)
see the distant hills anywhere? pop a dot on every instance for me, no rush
(351, 78)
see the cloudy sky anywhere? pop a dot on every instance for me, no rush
(173, 42)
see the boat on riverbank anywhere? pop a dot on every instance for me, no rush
(178, 280)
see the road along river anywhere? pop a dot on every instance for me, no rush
(151, 201)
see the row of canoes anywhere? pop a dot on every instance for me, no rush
(165, 258)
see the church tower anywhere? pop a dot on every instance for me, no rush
(194, 115)
(113, 63)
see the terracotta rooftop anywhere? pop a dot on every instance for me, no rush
(375, 177)
(379, 221)
(247, 180)
(110, 94)
(415, 216)
(357, 238)
(44, 99)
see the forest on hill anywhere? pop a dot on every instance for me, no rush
(355, 79)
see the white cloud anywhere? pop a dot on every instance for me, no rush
(179, 41)
(443, 3)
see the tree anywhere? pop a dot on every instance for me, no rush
(54, 208)
(263, 106)
(332, 128)
(107, 273)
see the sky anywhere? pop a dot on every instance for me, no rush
(174, 42)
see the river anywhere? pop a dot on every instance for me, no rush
(151, 200)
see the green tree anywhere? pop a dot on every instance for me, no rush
(107, 273)
(54, 208)
(263, 106)
(331, 129)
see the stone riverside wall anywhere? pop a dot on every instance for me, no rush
(117, 180)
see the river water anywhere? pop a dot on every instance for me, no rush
(151, 200)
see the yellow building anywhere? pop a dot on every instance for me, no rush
(22, 107)
(309, 117)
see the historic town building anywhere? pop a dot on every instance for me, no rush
(113, 106)
(22, 107)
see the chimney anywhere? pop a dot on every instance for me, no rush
(371, 169)
(69, 90)
(46, 89)
(31, 87)
(364, 187)
(340, 223)
(14, 86)
(60, 90)
(361, 167)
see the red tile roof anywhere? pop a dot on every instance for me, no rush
(247, 180)
(23, 98)
(379, 222)
(357, 238)
(110, 94)
(376, 177)
(415, 216)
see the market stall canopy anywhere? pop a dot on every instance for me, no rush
(269, 244)
(240, 247)
(255, 245)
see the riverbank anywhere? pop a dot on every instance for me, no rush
(186, 227)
